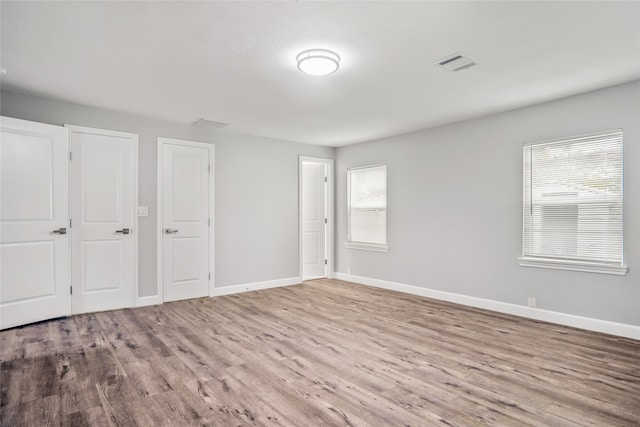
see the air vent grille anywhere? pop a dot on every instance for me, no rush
(456, 62)
(209, 124)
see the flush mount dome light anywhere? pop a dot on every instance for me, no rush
(318, 62)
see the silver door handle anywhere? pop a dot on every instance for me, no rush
(170, 231)
(123, 231)
(60, 230)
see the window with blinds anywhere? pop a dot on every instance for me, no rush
(572, 204)
(367, 208)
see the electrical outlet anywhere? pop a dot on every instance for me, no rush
(531, 302)
(348, 270)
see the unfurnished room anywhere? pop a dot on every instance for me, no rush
(319, 213)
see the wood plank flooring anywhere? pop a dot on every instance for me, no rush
(325, 352)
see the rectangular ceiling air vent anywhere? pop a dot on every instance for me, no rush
(209, 124)
(456, 62)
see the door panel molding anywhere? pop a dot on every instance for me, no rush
(329, 165)
(162, 141)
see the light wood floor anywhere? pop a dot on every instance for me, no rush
(322, 353)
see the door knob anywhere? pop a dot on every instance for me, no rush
(60, 230)
(170, 231)
(123, 231)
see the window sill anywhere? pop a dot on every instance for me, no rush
(367, 246)
(589, 267)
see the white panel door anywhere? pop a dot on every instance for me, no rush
(34, 219)
(103, 211)
(185, 221)
(313, 220)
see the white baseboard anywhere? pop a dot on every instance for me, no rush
(256, 286)
(228, 290)
(149, 300)
(597, 325)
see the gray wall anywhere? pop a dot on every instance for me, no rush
(256, 194)
(455, 196)
(455, 207)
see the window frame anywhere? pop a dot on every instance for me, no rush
(576, 264)
(367, 246)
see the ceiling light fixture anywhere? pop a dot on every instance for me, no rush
(318, 62)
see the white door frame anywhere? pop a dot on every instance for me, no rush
(159, 298)
(329, 206)
(136, 229)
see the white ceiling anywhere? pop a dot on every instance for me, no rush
(235, 61)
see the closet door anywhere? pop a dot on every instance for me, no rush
(34, 222)
(103, 210)
(314, 219)
(185, 218)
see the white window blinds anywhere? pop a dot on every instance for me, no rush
(572, 210)
(368, 206)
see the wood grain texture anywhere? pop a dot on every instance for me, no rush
(326, 352)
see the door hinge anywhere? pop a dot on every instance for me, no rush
(209, 222)
(325, 179)
(209, 167)
(325, 262)
(70, 156)
(69, 222)
(209, 276)
(325, 220)
(71, 290)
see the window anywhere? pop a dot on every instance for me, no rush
(367, 208)
(572, 204)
